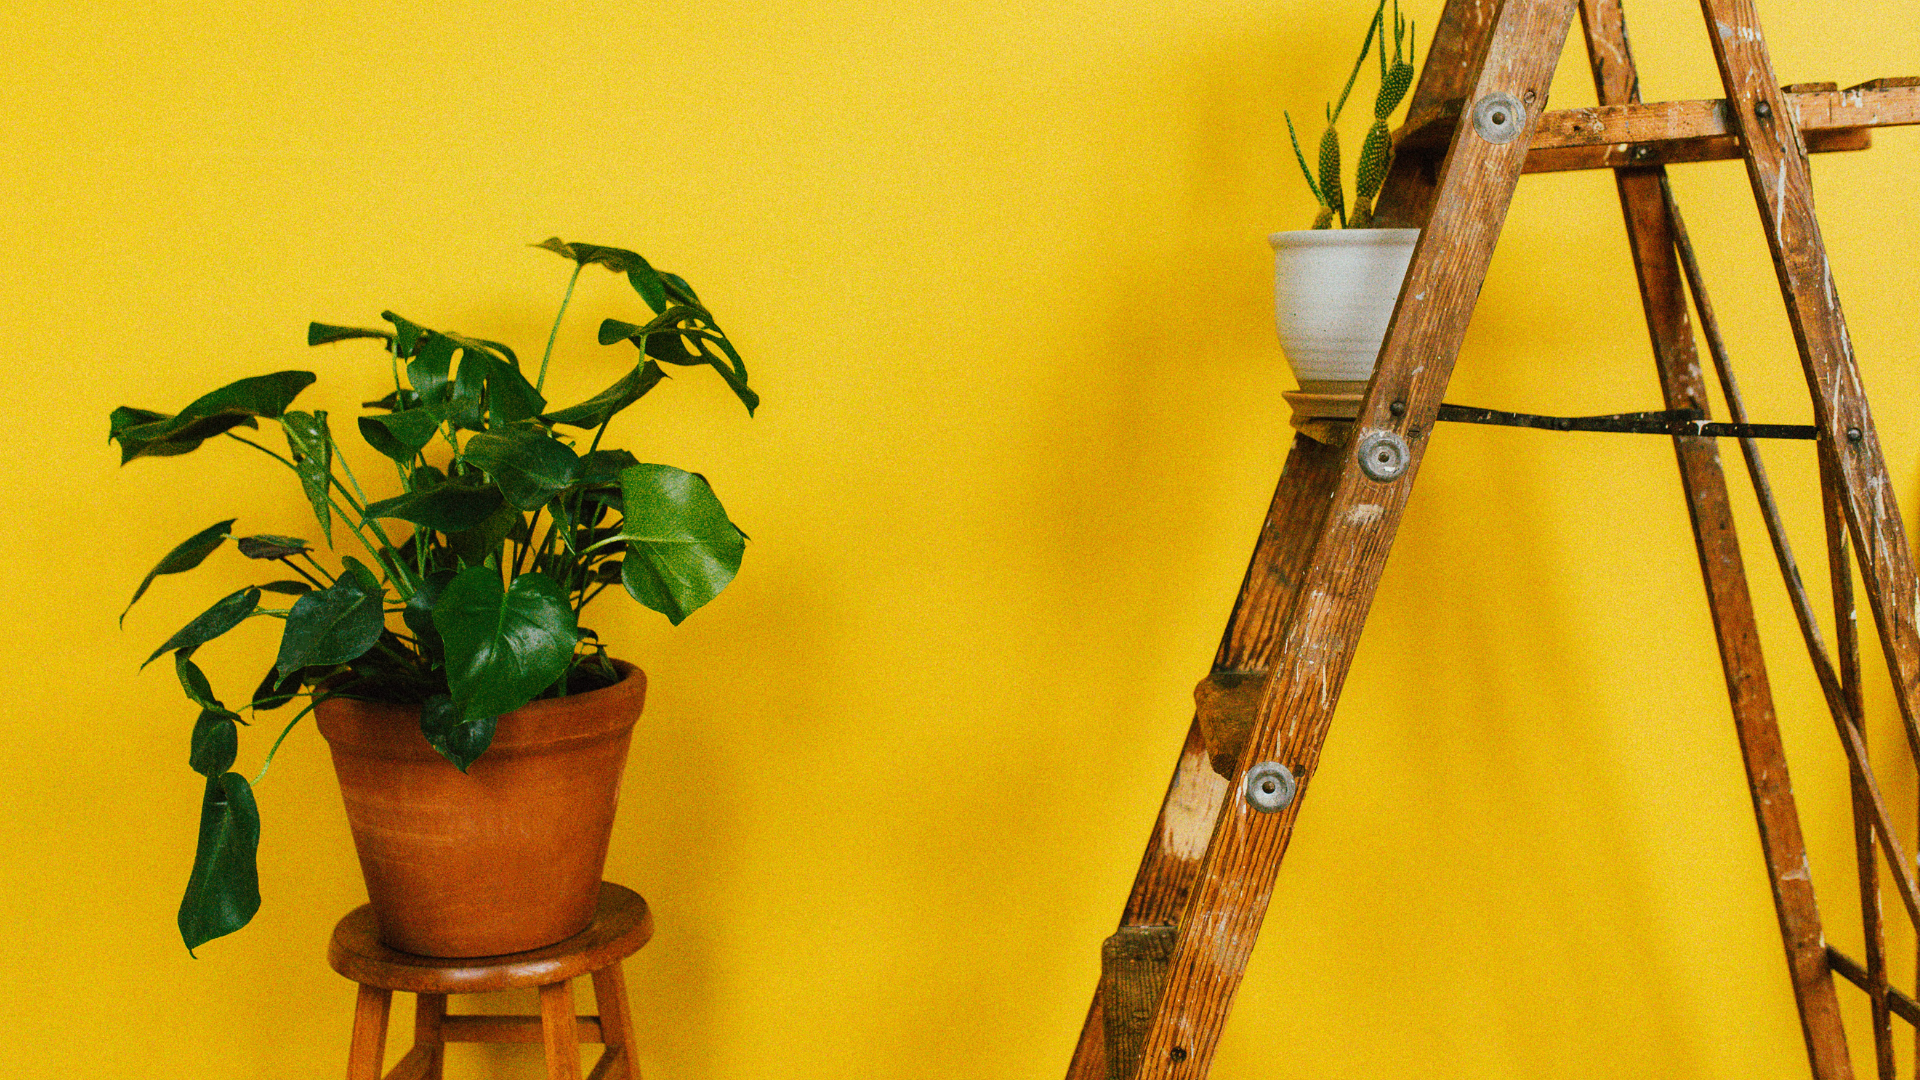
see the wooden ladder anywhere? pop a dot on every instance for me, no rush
(1476, 122)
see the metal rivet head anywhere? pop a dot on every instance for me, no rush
(1383, 455)
(1398, 408)
(1499, 117)
(1641, 152)
(1177, 1054)
(1854, 434)
(1763, 110)
(1270, 787)
(1529, 97)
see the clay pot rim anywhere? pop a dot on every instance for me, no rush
(351, 725)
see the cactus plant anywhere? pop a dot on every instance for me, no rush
(1376, 151)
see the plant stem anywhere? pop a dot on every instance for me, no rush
(284, 732)
(295, 567)
(555, 332)
(322, 570)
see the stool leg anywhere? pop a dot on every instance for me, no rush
(560, 1030)
(616, 1023)
(429, 1014)
(369, 1052)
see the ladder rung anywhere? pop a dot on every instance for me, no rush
(1224, 703)
(1849, 969)
(1133, 971)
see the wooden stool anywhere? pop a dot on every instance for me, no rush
(620, 926)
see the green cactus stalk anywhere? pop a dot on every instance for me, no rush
(1376, 150)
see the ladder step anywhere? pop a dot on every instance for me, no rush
(1133, 971)
(1224, 703)
(1849, 969)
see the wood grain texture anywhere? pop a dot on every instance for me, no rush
(621, 925)
(1778, 172)
(1849, 969)
(493, 1028)
(1133, 970)
(560, 1031)
(615, 1064)
(1644, 202)
(367, 1054)
(1317, 637)
(416, 1065)
(616, 1016)
(1452, 64)
(429, 1032)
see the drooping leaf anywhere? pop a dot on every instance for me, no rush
(399, 435)
(395, 401)
(228, 612)
(431, 372)
(529, 465)
(322, 334)
(510, 397)
(503, 646)
(681, 549)
(646, 281)
(275, 691)
(459, 741)
(419, 612)
(473, 546)
(667, 340)
(288, 587)
(223, 892)
(312, 447)
(216, 742)
(234, 405)
(602, 406)
(678, 288)
(406, 334)
(451, 507)
(269, 546)
(618, 260)
(335, 624)
(185, 555)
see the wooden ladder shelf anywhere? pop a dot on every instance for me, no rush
(1476, 123)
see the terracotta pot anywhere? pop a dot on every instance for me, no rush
(504, 858)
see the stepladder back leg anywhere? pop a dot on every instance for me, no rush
(616, 1023)
(1644, 201)
(559, 1031)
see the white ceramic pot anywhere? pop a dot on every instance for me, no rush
(1333, 294)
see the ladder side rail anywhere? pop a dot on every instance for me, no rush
(1453, 62)
(1777, 168)
(1663, 294)
(1180, 833)
(1319, 636)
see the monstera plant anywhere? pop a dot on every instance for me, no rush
(463, 588)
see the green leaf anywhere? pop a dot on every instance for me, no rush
(335, 624)
(231, 406)
(312, 447)
(194, 681)
(510, 397)
(230, 611)
(459, 741)
(618, 260)
(288, 587)
(275, 691)
(502, 646)
(216, 743)
(419, 612)
(529, 465)
(269, 546)
(602, 406)
(322, 334)
(604, 466)
(678, 288)
(395, 401)
(185, 555)
(667, 341)
(399, 435)
(406, 334)
(473, 546)
(681, 549)
(451, 507)
(646, 281)
(223, 892)
(430, 372)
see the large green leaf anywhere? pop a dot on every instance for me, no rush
(143, 433)
(529, 465)
(503, 646)
(667, 339)
(185, 555)
(602, 406)
(312, 447)
(399, 435)
(228, 612)
(459, 741)
(451, 507)
(473, 546)
(223, 892)
(216, 742)
(604, 466)
(406, 334)
(275, 691)
(419, 612)
(681, 549)
(335, 624)
(431, 372)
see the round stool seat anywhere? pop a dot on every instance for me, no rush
(621, 925)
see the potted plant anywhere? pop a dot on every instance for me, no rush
(478, 730)
(1334, 288)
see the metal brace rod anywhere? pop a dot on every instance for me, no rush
(1663, 422)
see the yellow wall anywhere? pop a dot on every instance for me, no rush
(1001, 274)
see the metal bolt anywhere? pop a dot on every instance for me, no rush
(1763, 110)
(1177, 1055)
(1270, 787)
(1641, 152)
(1854, 434)
(1529, 97)
(1498, 117)
(1383, 455)
(1398, 408)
